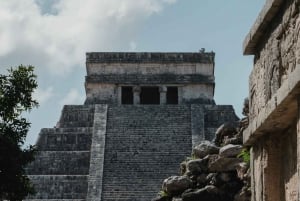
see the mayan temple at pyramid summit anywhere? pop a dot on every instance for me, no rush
(142, 114)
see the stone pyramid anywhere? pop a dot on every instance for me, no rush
(142, 115)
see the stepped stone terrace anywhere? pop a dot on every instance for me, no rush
(142, 115)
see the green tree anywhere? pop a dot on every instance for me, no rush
(16, 90)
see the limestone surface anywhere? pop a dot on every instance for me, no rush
(216, 177)
(274, 102)
(142, 115)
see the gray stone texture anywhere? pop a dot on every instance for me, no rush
(196, 166)
(95, 179)
(197, 122)
(59, 187)
(132, 148)
(206, 119)
(214, 177)
(144, 144)
(276, 59)
(205, 148)
(61, 168)
(221, 164)
(103, 150)
(192, 73)
(230, 150)
(176, 185)
(216, 115)
(150, 79)
(274, 89)
(145, 57)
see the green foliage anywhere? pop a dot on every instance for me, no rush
(192, 157)
(245, 155)
(163, 193)
(16, 90)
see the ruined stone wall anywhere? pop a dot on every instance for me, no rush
(274, 167)
(276, 56)
(274, 41)
(288, 164)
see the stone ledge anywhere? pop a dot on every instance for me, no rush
(54, 200)
(150, 79)
(279, 113)
(263, 20)
(150, 57)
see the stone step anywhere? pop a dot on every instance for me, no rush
(76, 116)
(144, 145)
(54, 200)
(59, 187)
(67, 130)
(57, 141)
(76, 124)
(122, 147)
(60, 163)
(129, 196)
(137, 119)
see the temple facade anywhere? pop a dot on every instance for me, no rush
(142, 115)
(149, 78)
(274, 130)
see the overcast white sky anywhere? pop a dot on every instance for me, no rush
(54, 35)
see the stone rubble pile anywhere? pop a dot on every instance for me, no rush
(216, 171)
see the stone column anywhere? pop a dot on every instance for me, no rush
(163, 95)
(119, 94)
(136, 95)
(180, 92)
(271, 171)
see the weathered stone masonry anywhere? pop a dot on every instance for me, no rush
(191, 73)
(142, 115)
(273, 132)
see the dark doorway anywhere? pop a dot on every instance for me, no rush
(150, 95)
(172, 95)
(127, 95)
